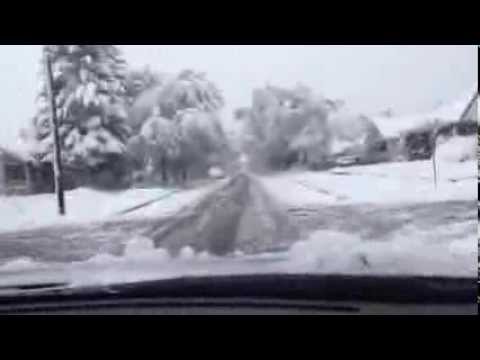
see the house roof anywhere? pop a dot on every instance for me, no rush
(14, 155)
(457, 109)
(471, 112)
(454, 111)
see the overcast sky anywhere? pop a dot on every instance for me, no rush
(407, 79)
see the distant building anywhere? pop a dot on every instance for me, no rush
(465, 108)
(417, 133)
(466, 126)
(22, 175)
(16, 173)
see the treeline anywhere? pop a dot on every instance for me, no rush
(287, 127)
(120, 125)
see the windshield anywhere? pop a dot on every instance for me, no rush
(122, 163)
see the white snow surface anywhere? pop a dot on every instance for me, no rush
(408, 253)
(172, 204)
(411, 251)
(458, 149)
(447, 251)
(389, 183)
(451, 250)
(85, 206)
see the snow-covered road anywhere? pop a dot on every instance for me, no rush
(384, 219)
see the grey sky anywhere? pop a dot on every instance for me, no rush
(369, 78)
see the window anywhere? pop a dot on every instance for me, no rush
(382, 146)
(15, 173)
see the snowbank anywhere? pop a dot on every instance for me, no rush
(86, 205)
(389, 183)
(457, 149)
(409, 252)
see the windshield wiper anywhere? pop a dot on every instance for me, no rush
(329, 293)
(29, 289)
(40, 286)
(393, 289)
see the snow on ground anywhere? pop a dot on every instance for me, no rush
(410, 252)
(170, 205)
(457, 149)
(448, 250)
(389, 183)
(83, 205)
(86, 205)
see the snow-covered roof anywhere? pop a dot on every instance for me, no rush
(15, 147)
(18, 155)
(393, 126)
(455, 109)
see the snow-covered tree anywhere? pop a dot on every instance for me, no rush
(186, 90)
(137, 152)
(89, 90)
(192, 139)
(143, 105)
(190, 90)
(313, 142)
(277, 118)
(162, 133)
(286, 125)
(185, 127)
(202, 130)
(163, 140)
(139, 81)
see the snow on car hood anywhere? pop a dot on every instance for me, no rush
(325, 252)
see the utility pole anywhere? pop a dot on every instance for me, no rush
(434, 163)
(434, 152)
(57, 158)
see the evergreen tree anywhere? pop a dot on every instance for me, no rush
(89, 91)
